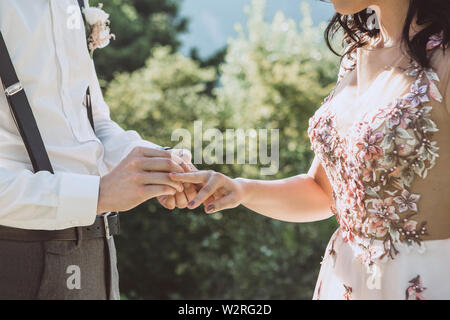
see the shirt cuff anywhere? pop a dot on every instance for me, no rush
(78, 199)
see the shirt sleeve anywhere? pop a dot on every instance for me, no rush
(117, 142)
(45, 201)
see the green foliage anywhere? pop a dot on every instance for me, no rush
(139, 25)
(274, 76)
(163, 96)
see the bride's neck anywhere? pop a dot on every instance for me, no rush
(391, 17)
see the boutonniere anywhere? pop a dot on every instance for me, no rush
(97, 27)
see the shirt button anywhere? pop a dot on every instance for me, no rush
(74, 222)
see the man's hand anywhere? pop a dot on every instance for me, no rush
(181, 199)
(142, 175)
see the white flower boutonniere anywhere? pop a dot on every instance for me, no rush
(97, 28)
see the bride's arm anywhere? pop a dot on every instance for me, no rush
(302, 198)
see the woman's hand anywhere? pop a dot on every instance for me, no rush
(218, 192)
(303, 198)
(180, 199)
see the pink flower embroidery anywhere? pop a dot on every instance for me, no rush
(415, 289)
(409, 226)
(417, 95)
(401, 115)
(407, 201)
(376, 227)
(435, 41)
(368, 146)
(348, 292)
(384, 209)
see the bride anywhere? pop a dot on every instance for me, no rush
(382, 150)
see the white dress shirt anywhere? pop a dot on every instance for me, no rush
(53, 63)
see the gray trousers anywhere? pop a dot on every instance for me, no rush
(59, 270)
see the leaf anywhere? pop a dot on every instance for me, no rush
(371, 193)
(430, 126)
(426, 109)
(432, 76)
(391, 193)
(387, 143)
(413, 73)
(402, 133)
(408, 176)
(434, 92)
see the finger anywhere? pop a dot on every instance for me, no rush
(162, 201)
(181, 200)
(170, 202)
(208, 201)
(198, 187)
(183, 154)
(188, 166)
(185, 167)
(191, 177)
(159, 164)
(153, 191)
(160, 178)
(226, 202)
(178, 160)
(207, 191)
(152, 152)
(190, 191)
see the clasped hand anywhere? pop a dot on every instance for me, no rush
(212, 189)
(215, 190)
(170, 177)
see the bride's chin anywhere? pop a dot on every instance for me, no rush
(346, 7)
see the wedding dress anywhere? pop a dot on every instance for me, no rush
(383, 138)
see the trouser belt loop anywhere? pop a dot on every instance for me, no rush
(79, 231)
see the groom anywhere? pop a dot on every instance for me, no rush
(56, 229)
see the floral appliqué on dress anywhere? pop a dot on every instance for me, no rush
(413, 292)
(348, 292)
(371, 170)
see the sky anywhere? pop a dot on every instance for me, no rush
(212, 21)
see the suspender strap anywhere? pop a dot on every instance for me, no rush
(89, 108)
(22, 113)
(81, 3)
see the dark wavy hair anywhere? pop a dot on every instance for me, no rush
(433, 15)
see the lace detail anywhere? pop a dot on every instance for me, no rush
(372, 168)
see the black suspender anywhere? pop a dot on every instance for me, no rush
(81, 4)
(21, 110)
(23, 114)
(88, 100)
